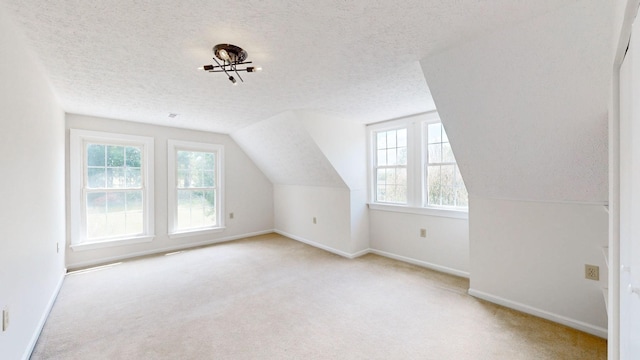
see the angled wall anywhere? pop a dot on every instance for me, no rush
(317, 165)
(32, 193)
(525, 109)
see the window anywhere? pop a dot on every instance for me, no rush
(195, 187)
(413, 166)
(111, 182)
(391, 166)
(444, 185)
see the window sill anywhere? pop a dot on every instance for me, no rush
(195, 232)
(455, 214)
(111, 243)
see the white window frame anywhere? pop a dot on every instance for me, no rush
(77, 173)
(173, 146)
(416, 168)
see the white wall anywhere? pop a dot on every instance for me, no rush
(446, 247)
(531, 256)
(525, 108)
(295, 206)
(32, 193)
(248, 192)
(318, 163)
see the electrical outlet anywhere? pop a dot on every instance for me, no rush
(314, 220)
(423, 233)
(5, 319)
(592, 272)
(230, 215)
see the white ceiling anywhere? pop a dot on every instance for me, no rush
(137, 60)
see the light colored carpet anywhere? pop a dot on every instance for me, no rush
(270, 297)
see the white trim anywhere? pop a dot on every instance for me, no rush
(417, 161)
(357, 254)
(172, 147)
(322, 246)
(428, 116)
(77, 139)
(182, 246)
(561, 202)
(572, 323)
(455, 214)
(421, 263)
(43, 318)
(111, 243)
(196, 232)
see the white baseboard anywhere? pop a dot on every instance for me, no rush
(43, 318)
(102, 261)
(322, 246)
(425, 264)
(579, 325)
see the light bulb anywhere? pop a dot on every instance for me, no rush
(223, 54)
(233, 80)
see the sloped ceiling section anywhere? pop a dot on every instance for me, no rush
(283, 149)
(343, 142)
(525, 107)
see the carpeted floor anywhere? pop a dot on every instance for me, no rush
(270, 297)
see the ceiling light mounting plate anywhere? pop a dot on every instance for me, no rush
(230, 56)
(231, 53)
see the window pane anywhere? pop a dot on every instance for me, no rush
(134, 221)
(96, 215)
(95, 155)
(391, 157)
(183, 179)
(381, 140)
(434, 185)
(209, 209)
(381, 193)
(208, 178)
(96, 178)
(434, 133)
(209, 162)
(183, 160)
(134, 177)
(115, 178)
(184, 209)
(391, 139)
(448, 187)
(382, 157)
(196, 178)
(447, 153)
(115, 155)
(402, 156)
(392, 185)
(380, 175)
(435, 154)
(133, 155)
(116, 214)
(196, 209)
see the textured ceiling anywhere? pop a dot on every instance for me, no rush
(539, 132)
(137, 60)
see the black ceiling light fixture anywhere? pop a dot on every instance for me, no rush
(230, 57)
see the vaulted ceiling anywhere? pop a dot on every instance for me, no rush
(137, 60)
